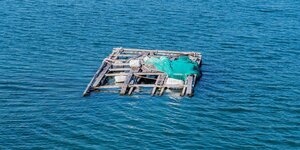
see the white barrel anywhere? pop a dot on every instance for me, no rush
(135, 63)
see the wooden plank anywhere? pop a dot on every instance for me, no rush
(130, 90)
(120, 64)
(183, 90)
(134, 80)
(153, 90)
(127, 55)
(138, 85)
(88, 88)
(116, 53)
(101, 75)
(158, 51)
(125, 85)
(118, 60)
(159, 86)
(189, 89)
(138, 74)
(116, 74)
(162, 91)
(163, 88)
(149, 73)
(156, 83)
(158, 54)
(106, 87)
(119, 69)
(159, 82)
(143, 85)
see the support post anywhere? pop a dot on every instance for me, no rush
(190, 85)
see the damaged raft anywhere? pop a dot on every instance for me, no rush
(131, 70)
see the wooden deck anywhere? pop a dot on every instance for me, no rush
(117, 64)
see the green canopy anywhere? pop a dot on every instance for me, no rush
(179, 68)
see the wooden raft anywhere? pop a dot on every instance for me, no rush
(144, 76)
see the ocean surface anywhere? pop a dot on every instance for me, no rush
(247, 98)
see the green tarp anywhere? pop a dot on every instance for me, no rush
(179, 68)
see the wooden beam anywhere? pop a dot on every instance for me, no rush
(155, 87)
(183, 89)
(138, 85)
(130, 90)
(120, 64)
(149, 73)
(158, 51)
(190, 86)
(119, 69)
(139, 74)
(116, 74)
(159, 86)
(162, 89)
(102, 75)
(106, 87)
(127, 55)
(88, 88)
(143, 85)
(125, 85)
(159, 82)
(134, 80)
(116, 53)
(118, 60)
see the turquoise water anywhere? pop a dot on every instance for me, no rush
(248, 97)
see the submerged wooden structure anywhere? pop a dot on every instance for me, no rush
(136, 78)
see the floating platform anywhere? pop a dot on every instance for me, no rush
(118, 72)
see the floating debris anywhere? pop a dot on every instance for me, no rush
(130, 70)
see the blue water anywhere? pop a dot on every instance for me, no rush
(248, 97)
